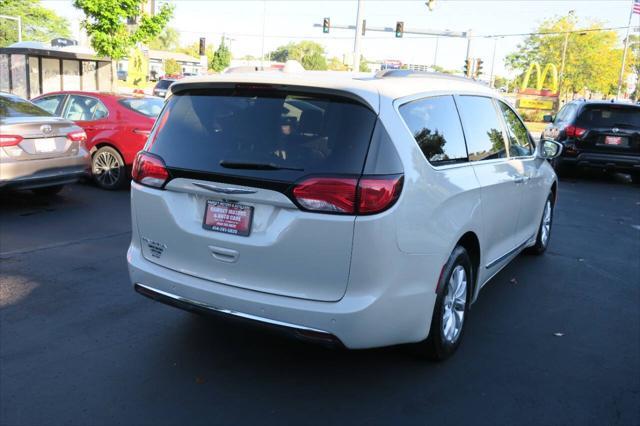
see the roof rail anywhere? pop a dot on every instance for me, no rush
(412, 73)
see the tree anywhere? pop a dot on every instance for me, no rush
(38, 22)
(221, 58)
(364, 66)
(171, 67)
(138, 68)
(106, 23)
(438, 68)
(593, 58)
(194, 50)
(169, 39)
(336, 64)
(310, 54)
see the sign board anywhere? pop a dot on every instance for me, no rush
(531, 103)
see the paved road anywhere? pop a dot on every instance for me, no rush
(78, 346)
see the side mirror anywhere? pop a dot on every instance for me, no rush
(549, 149)
(547, 118)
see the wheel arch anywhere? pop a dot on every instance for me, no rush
(471, 244)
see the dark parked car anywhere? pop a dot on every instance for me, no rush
(162, 87)
(599, 134)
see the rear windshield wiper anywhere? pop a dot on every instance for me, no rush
(256, 166)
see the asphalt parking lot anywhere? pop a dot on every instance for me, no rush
(552, 340)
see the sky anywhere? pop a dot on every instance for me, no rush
(292, 20)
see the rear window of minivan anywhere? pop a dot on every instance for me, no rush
(265, 134)
(609, 116)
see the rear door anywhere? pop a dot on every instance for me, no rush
(89, 113)
(499, 177)
(227, 215)
(610, 129)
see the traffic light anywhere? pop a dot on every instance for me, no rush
(399, 29)
(478, 69)
(468, 67)
(326, 24)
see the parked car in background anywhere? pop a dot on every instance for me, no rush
(38, 151)
(597, 134)
(116, 125)
(161, 88)
(122, 75)
(356, 211)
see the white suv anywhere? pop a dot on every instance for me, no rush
(366, 211)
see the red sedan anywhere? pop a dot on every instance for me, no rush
(117, 127)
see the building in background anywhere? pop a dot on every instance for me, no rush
(29, 69)
(189, 65)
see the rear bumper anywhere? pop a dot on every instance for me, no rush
(604, 161)
(28, 174)
(357, 321)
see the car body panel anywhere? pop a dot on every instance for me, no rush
(394, 260)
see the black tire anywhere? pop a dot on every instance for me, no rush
(561, 167)
(437, 346)
(541, 242)
(48, 191)
(108, 169)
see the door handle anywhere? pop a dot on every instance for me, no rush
(520, 179)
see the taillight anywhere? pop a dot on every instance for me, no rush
(369, 195)
(77, 136)
(10, 140)
(378, 194)
(334, 195)
(574, 132)
(149, 170)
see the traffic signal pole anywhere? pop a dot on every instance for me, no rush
(358, 36)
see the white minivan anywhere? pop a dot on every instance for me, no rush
(347, 209)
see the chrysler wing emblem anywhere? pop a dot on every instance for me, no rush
(46, 129)
(615, 130)
(221, 190)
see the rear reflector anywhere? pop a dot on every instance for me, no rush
(369, 195)
(149, 170)
(10, 140)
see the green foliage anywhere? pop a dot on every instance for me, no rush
(221, 58)
(38, 22)
(499, 81)
(106, 24)
(138, 68)
(169, 39)
(171, 67)
(593, 58)
(364, 66)
(336, 64)
(310, 54)
(438, 68)
(194, 50)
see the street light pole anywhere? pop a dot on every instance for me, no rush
(624, 55)
(356, 43)
(435, 55)
(493, 62)
(264, 23)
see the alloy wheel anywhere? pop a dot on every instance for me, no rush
(106, 168)
(454, 305)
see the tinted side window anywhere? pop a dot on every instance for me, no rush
(50, 103)
(482, 128)
(519, 145)
(565, 113)
(435, 125)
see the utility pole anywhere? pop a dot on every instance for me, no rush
(19, 21)
(468, 35)
(624, 55)
(264, 23)
(435, 55)
(493, 62)
(356, 43)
